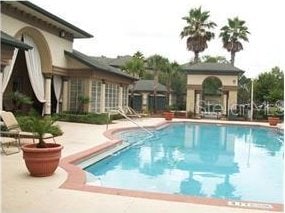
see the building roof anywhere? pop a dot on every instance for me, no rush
(209, 68)
(147, 85)
(102, 59)
(13, 42)
(120, 61)
(94, 63)
(47, 17)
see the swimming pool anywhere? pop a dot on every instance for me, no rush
(204, 160)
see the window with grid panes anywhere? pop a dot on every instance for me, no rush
(125, 96)
(111, 96)
(76, 90)
(96, 96)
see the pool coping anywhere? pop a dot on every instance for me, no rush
(76, 179)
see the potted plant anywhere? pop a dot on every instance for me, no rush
(168, 115)
(274, 118)
(42, 158)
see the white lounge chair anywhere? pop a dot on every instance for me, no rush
(9, 145)
(14, 128)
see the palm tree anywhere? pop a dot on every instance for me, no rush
(169, 76)
(138, 54)
(157, 63)
(197, 31)
(135, 67)
(214, 59)
(231, 35)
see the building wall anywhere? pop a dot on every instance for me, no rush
(54, 61)
(56, 44)
(232, 100)
(229, 83)
(190, 100)
(227, 80)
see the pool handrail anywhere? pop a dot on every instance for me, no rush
(121, 112)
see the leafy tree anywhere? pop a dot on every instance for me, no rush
(19, 100)
(138, 55)
(231, 35)
(214, 59)
(157, 63)
(212, 86)
(168, 76)
(178, 85)
(244, 90)
(197, 31)
(82, 101)
(269, 86)
(135, 67)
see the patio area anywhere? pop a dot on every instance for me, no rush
(22, 193)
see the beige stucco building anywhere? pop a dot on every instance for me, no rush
(226, 77)
(52, 72)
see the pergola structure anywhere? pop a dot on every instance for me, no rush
(227, 77)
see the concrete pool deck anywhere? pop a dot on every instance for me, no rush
(22, 193)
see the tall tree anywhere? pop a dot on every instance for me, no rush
(244, 88)
(269, 86)
(157, 63)
(169, 75)
(214, 59)
(197, 31)
(136, 68)
(232, 34)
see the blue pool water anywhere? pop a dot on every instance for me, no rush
(227, 162)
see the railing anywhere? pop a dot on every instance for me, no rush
(121, 112)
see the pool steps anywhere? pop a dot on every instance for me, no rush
(99, 156)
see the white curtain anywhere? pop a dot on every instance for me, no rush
(57, 85)
(8, 71)
(33, 61)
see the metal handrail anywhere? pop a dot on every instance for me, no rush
(121, 112)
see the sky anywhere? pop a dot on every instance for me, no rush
(122, 27)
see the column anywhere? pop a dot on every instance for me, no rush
(144, 101)
(120, 101)
(65, 95)
(197, 104)
(47, 105)
(190, 100)
(170, 99)
(232, 103)
(90, 95)
(102, 98)
(1, 93)
(225, 99)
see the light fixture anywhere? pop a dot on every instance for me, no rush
(62, 34)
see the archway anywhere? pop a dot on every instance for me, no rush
(20, 79)
(212, 94)
(42, 45)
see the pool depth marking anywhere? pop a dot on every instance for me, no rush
(250, 205)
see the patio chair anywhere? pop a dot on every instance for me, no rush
(14, 128)
(8, 142)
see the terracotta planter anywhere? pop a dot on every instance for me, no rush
(42, 162)
(168, 116)
(273, 121)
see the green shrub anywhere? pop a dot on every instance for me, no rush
(25, 124)
(91, 118)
